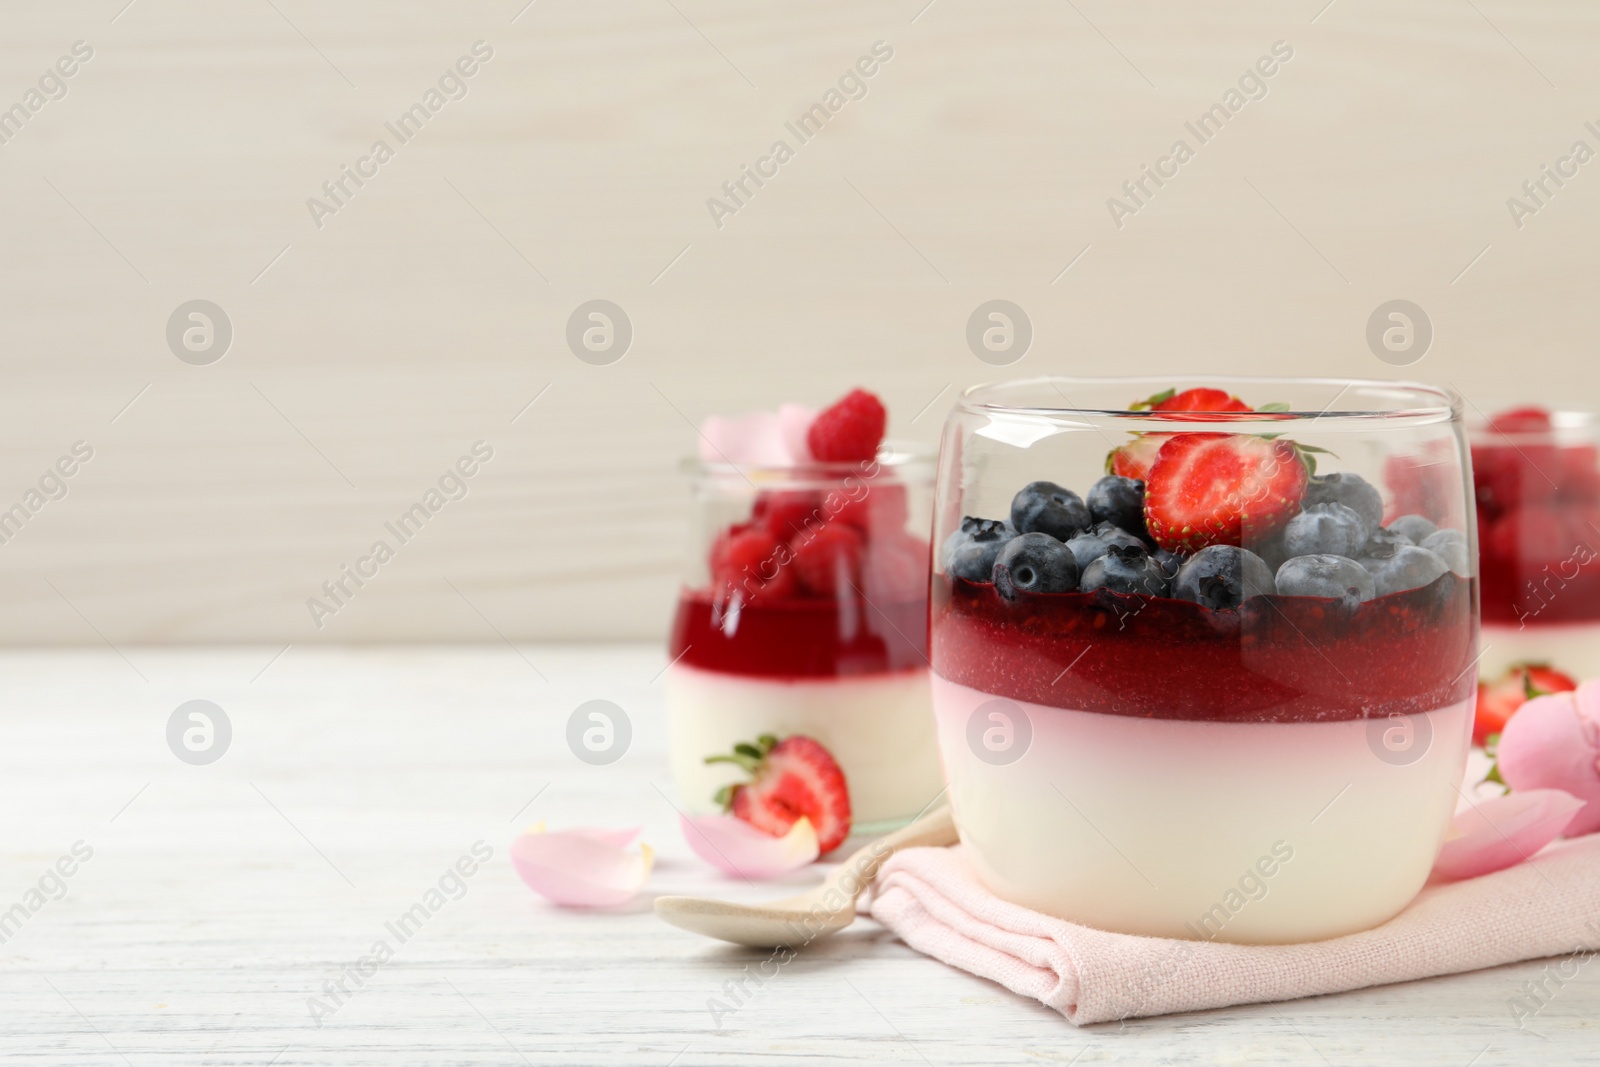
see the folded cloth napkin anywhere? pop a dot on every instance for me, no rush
(933, 901)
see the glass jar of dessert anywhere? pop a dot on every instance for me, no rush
(803, 613)
(1203, 661)
(1537, 479)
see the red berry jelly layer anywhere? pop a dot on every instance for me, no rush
(789, 638)
(1276, 659)
(1534, 591)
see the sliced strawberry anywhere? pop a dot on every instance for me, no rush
(788, 779)
(1222, 489)
(1499, 700)
(1191, 400)
(1133, 460)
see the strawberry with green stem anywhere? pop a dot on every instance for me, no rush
(789, 779)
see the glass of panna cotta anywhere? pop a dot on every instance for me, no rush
(804, 610)
(1203, 651)
(1537, 481)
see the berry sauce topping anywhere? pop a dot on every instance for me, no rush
(1211, 576)
(817, 582)
(800, 638)
(1274, 659)
(1538, 522)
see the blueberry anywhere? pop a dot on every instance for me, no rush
(1222, 577)
(970, 551)
(1440, 537)
(1410, 567)
(1325, 530)
(1326, 576)
(1045, 507)
(1450, 546)
(1384, 543)
(1169, 562)
(1126, 569)
(1119, 501)
(1089, 545)
(1034, 563)
(1351, 490)
(1413, 527)
(1271, 551)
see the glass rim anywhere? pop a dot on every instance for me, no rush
(1426, 401)
(895, 455)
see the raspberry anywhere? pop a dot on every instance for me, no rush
(742, 559)
(786, 512)
(1533, 536)
(828, 563)
(849, 431)
(1580, 474)
(1521, 420)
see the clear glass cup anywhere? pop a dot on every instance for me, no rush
(1163, 762)
(1538, 499)
(804, 610)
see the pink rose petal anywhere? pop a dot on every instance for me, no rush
(735, 847)
(753, 440)
(619, 838)
(794, 422)
(1553, 742)
(1503, 832)
(585, 868)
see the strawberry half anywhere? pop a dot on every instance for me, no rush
(788, 779)
(1222, 489)
(1133, 460)
(1191, 400)
(1499, 700)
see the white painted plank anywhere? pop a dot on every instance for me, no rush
(415, 321)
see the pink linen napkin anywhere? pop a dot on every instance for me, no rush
(932, 900)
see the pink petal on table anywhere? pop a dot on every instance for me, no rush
(753, 440)
(1503, 832)
(620, 838)
(735, 847)
(1553, 742)
(579, 869)
(794, 422)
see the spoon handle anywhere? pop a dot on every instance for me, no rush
(936, 829)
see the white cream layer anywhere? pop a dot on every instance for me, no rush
(878, 727)
(1170, 828)
(1573, 647)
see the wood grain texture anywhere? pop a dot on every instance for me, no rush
(219, 898)
(424, 315)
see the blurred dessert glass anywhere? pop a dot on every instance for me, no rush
(1536, 476)
(804, 610)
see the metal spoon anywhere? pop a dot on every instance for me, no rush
(827, 909)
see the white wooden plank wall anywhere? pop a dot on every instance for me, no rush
(431, 307)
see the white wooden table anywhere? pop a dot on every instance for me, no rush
(220, 898)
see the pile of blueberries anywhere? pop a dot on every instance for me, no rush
(1337, 546)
